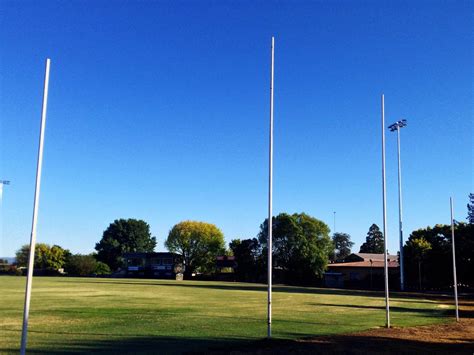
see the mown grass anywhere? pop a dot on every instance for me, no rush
(164, 316)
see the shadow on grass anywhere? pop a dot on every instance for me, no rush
(438, 312)
(132, 345)
(402, 297)
(344, 344)
(350, 344)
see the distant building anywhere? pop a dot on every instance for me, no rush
(159, 265)
(362, 270)
(225, 262)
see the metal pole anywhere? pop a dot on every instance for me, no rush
(400, 223)
(270, 192)
(387, 305)
(454, 262)
(334, 222)
(31, 258)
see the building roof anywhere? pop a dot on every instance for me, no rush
(366, 260)
(150, 255)
(368, 256)
(365, 263)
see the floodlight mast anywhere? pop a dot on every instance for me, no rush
(31, 257)
(270, 198)
(396, 127)
(3, 182)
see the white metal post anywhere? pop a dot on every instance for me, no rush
(270, 192)
(31, 258)
(454, 261)
(387, 305)
(400, 210)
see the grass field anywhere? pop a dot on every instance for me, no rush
(136, 315)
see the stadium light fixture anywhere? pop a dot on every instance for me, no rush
(396, 127)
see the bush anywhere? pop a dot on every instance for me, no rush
(102, 268)
(85, 265)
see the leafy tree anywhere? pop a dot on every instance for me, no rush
(85, 265)
(301, 245)
(123, 236)
(81, 265)
(248, 255)
(420, 247)
(342, 245)
(46, 257)
(102, 269)
(470, 209)
(437, 261)
(199, 244)
(374, 242)
(57, 257)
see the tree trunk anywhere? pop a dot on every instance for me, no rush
(419, 274)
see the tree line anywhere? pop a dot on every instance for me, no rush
(302, 249)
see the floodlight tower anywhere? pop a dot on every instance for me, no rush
(396, 127)
(3, 182)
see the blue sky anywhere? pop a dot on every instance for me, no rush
(159, 111)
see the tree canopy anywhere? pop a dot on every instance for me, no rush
(123, 236)
(301, 245)
(342, 244)
(434, 246)
(248, 254)
(46, 257)
(470, 209)
(198, 243)
(85, 265)
(374, 242)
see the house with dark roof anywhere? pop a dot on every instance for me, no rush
(156, 265)
(362, 270)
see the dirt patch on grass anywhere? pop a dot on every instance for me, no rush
(451, 338)
(447, 338)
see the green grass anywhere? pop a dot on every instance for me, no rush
(161, 316)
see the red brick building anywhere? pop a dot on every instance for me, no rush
(362, 270)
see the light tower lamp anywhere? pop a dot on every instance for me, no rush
(396, 127)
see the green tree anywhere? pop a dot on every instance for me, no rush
(80, 265)
(420, 247)
(248, 253)
(102, 269)
(198, 243)
(342, 245)
(123, 236)
(85, 265)
(470, 209)
(374, 242)
(46, 257)
(437, 262)
(301, 246)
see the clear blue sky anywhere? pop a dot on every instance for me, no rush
(159, 111)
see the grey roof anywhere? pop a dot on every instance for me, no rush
(368, 256)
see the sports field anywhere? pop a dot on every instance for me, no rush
(136, 315)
